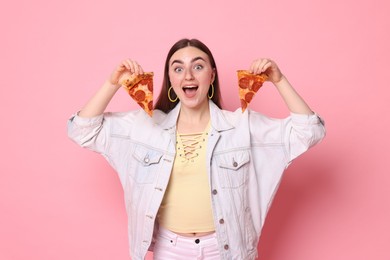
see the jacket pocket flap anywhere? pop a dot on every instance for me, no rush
(147, 157)
(235, 161)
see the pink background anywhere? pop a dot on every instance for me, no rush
(58, 201)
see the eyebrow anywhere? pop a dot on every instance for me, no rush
(192, 61)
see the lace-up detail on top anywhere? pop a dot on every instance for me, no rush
(189, 145)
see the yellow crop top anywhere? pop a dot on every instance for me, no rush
(186, 207)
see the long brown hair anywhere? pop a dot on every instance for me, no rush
(163, 103)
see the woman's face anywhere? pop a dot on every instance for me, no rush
(190, 75)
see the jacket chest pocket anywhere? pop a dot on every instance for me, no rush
(233, 169)
(145, 165)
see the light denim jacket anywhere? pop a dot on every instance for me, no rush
(247, 154)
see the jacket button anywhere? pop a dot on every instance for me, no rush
(226, 247)
(235, 164)
(215, 192)
(146, 160)
(221, 221)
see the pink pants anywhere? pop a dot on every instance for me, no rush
(170, 246)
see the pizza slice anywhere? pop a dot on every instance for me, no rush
(140, 88)
(249, 84)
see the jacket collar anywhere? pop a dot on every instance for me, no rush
(217, 117)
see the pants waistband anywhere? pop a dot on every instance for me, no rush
(175, 238)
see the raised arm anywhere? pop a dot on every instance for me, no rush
(99, 101)
(293, 100)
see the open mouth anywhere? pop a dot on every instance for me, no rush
(190, 91)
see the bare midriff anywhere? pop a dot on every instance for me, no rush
(200, 234)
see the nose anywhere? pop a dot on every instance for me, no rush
(189, 75)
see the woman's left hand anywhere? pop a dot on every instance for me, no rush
(267, 66)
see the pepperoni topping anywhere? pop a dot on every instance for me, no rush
(132, 91)
(141, 105)
(243, 104)
(243, 83)
(148, 83)
(139, 95)
(256, 86)
(150, 105)
(249, 96)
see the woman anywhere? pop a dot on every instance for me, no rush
(198, 180)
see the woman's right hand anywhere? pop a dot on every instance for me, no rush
(126, 68)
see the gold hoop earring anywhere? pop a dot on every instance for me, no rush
(169, 95)
(212, 92)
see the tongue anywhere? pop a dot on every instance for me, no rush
(190, 92)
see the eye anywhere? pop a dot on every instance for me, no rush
(198, 67)
(177, 69)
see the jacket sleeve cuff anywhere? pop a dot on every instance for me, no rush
(86, 121)
(303, 119)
